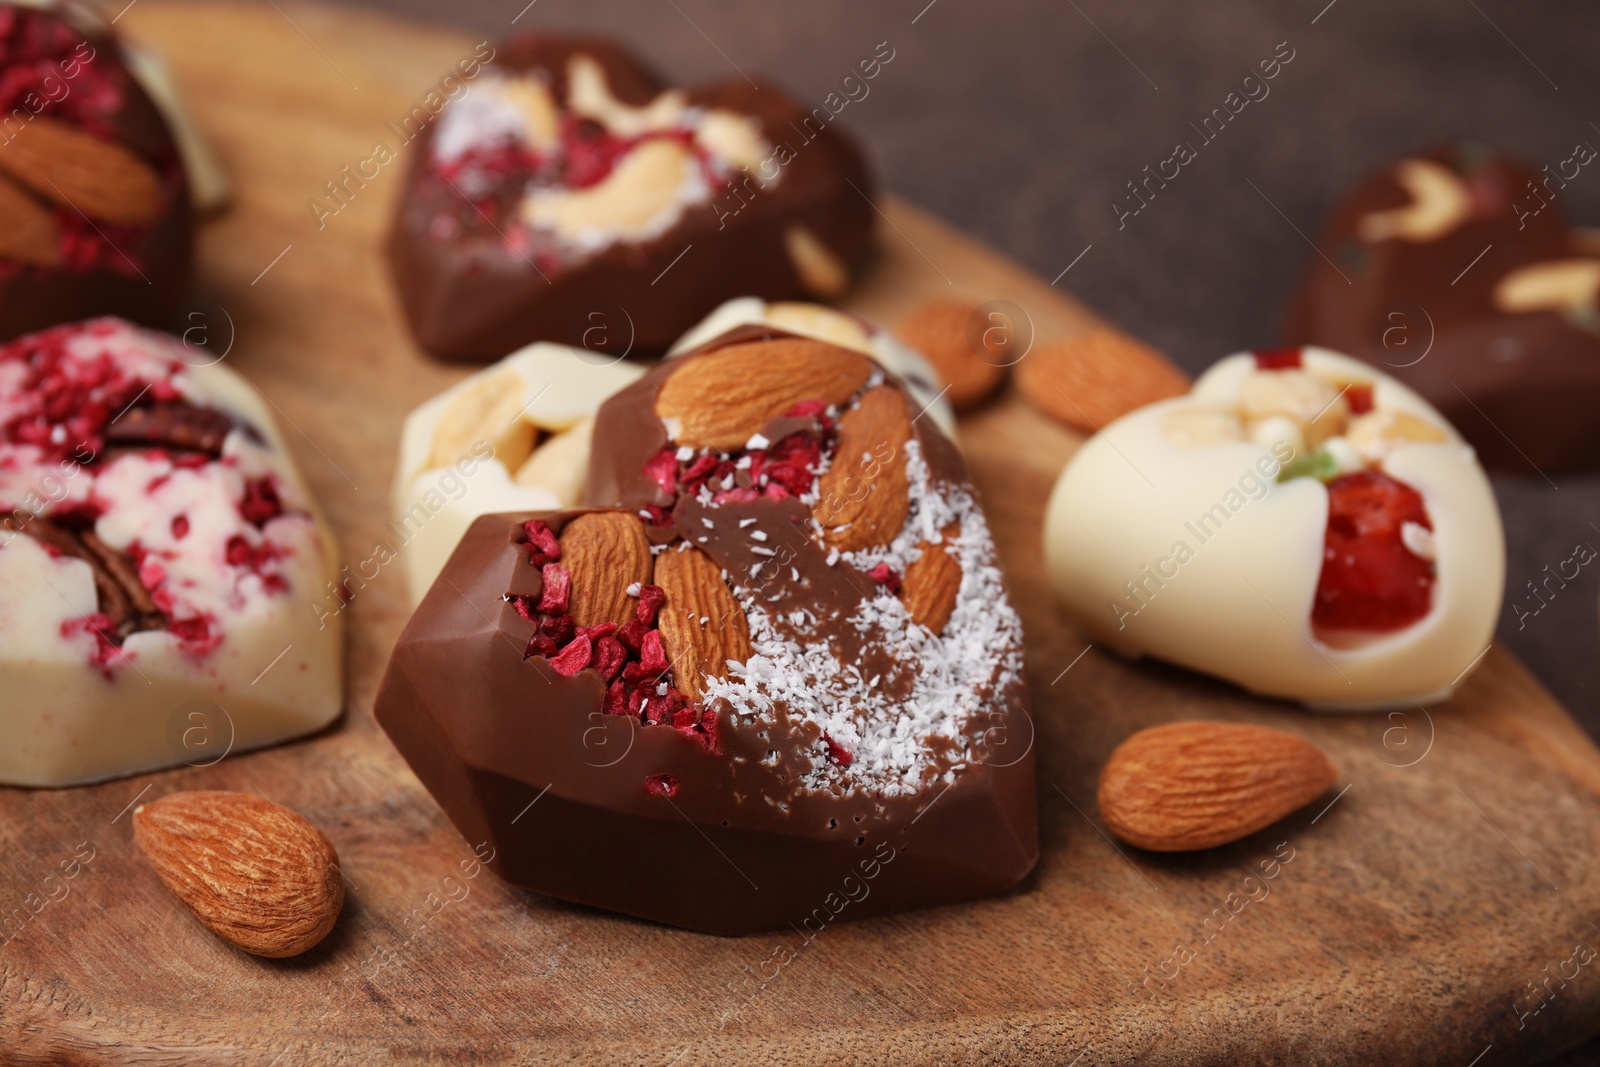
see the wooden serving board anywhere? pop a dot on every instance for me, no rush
(1410, 918)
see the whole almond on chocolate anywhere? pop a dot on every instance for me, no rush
(1194, 785)
(606, 552)
(933, 581)
(28, 231)
(943, 331)
(702, 625)
(864, 497)
(1096, 377)
(101, 178)
(722, 399)
(254, 872)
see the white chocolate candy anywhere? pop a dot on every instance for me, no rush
(229, 548)
(512, 437)
(1168, 535)
(835, 327)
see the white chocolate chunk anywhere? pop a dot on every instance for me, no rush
(1557, 285)
(1197, 427)
(557, 391)
(1439, 203)
(642, 197)
(589, 95)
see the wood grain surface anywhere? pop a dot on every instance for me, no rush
(1410, 913)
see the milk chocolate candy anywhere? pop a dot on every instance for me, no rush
(569, 196)
(1455, 271)
(771, 664)
(95, 215)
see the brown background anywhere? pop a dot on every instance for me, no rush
(1020, 122)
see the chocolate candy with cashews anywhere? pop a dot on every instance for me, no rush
(1455, 271)
(95, 214)
(571, 196)
(1299, 524)
(168, 588)
(771, 661)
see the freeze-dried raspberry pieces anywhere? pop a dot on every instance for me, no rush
(1371, 579)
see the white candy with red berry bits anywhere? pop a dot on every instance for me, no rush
(162, 566)
(1299, 523)
(824, 323)
(512, 437)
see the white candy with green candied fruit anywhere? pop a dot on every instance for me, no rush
(1300, 523)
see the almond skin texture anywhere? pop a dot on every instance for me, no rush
(605, 551)
(696, 591)
(254, 872)
(864, 497)
(1193, 785)
(27, 229)
(100, 178)
(932, 582)
(940, 330)
(722, 399)
(1096, 378)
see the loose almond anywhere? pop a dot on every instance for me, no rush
(605, 552)
(932, 581)
(942, 331)
(485, 410)
(702, 625)
(100, 178)
(252, 871)
(1193, 785)
(864, 497)
(723, 398)
(1096, 378)
(27, 228)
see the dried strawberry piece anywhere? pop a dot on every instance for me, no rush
(540, 645)
(525, 607)
(590, 151)
(793, 462)
(557, 589)
(237, 551)
(651, 597)
(703, 467)
(1359, 397)
(632, 635)
(195, 629)
(658, 707)
(260, 502)
(885, 576)
(635, 674)
(559, 628)
(686, 718)
(598, 630)
(616, 699)
(837, 752)
(1371, 581)
(739, 495)
(541, 542)
(652, 654)
(661, 785)
(663, 470)
(775, 491)
(609, 657)
(180, 527)
(1278, 358)
(656, 515)
(808, 409)
(574, 658)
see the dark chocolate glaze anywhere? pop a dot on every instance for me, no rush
(741, 847)
(148, 289)
(471, 297)
(1522, 389)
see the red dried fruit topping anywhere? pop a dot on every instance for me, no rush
(1371, 582)
(837, 752)
(542, 544)
(609, 656)
(885, 576)
(661, 785)
(651, 597)
(180, 527)
(574, 658)
(557, 589)
(1359, 397)
(1278, 359)
(260, 502)
(652, 653)
(663, 470)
